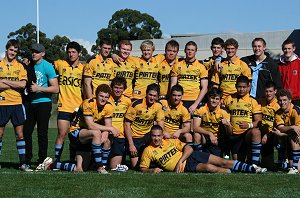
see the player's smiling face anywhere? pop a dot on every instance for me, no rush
(118, 90)
(147, 52)
(102, 98)
(105, 50)
(231, 51)
(288, 50)
(284, 103)
(258, 48)
(216, 50)
(73, 55)
(156, 137)
(11, 53)
(270, 93)
(125, 51)
(214, 101)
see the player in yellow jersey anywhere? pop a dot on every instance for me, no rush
(192, 76)
(230, 69)
(93, 124)
(147, 71)
(13, 79)
(245, 118)
(139, 119)
(126, 65)
(99, 70)
(120, 103)
(70, 94)
(213, 62)
(207, 124)
(287, 121)
(166, 62)
(269, 107)
(174, 156)
(177, 118)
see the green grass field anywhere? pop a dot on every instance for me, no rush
(14, 183)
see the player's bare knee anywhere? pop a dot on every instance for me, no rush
(197, 138)
(188, 137)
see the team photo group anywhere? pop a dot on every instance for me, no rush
(156, 112)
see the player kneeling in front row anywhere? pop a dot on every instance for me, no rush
(173, 155)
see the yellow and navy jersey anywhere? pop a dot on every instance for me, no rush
(210, 121)
(164, 73)
(209, 63)
(14, 72)
(127, 69)
(174, 116)
(120, 108)
(189, 76)
(228, 74)
(70, 83)
(165, 156)
(145, 75)
(241, 109)
(89, 108)
(290, 118)
(142, 117)
(268, 114)
(101, 71)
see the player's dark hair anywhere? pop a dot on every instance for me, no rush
(74, 45)
(259, 39)
(213, 92)
(284, 92)
(190, 43)
(156, 127)
(173, 44)
(103, 88)
(270, 84)
(153, 87)
(243, 79)
(231, 41)
(217, 41)
(106, 42)
(119, 80)
(12, 42)
(177, 88)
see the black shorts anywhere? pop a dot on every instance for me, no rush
(65, 116)
(211, 148)
(237, 143)
(14, 113)
(197, 157)
(140, 143)
(188, 103)
(118, 147)
(75, 141)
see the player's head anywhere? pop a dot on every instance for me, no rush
(105, 47)
(288, 48)
(118, 85)
(156, 135)
(214, 97)
(190, 50)
(176, 94)
(152, 93)
(242, 85)
(217, 46)
(12, 47)
(171, 49)
(284, 98)
(73, 50)
(231, 46)
(259, 46)
(125, 48)
(270, 91)
(103, 92)
(147, 47)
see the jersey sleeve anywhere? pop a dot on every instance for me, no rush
(130, 114)
(88, 71)
(109, 110)
(204, 72)
(146, 158)
(174, 71)
(23, 74)
(179, 145)
(160, 114)
(87, 108)
(278, 120)
(246, 71)
(256, 107)
(186, 116)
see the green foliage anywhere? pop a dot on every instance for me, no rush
(129, 24)
(55, 48)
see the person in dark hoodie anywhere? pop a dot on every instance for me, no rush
(263, 69)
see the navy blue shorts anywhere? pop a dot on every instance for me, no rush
(75, 141)
(211, 148)
(197, 157)
(65, 116)
(140, 143)
(188, 103)
(14, 113)
(118, 147)
(237, 143)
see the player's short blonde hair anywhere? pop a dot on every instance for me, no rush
(147, 43)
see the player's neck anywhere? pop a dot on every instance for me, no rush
(260, 58)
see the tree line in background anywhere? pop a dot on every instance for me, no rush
(124, 24)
